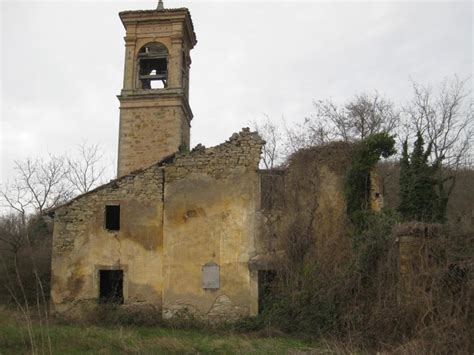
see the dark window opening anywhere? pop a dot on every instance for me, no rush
(153, 66)
(266, 279)
(112, 217)
(111, 286)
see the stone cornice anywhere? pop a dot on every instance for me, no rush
(155, 95)
(156, 16)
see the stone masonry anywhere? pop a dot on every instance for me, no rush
(188, 231)
(155, 123)
(177, 215)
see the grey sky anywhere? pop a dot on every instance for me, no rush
(62, 62)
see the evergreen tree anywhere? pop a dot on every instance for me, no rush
(418, 198)
(406, 208)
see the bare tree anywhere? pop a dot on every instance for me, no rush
(17, 198)
(332, 119)
(87, 171)
(309, 133)
(357, 119)
(445, 119)
(45, 181)
(270, 131)
(38, 184)
(12, 233)
(371, 114)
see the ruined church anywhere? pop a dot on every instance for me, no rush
(180, 228)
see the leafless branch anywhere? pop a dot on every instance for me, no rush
(269, 130)
(445, 119)
(87, 171)
(43, 180)
(362, 116)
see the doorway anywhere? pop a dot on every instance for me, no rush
(265, 283)
(111, 286)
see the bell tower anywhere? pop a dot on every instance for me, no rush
(155, 115)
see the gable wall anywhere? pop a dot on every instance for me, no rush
(210, 198)
(82, 245)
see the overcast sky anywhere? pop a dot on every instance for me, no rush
(62, 64)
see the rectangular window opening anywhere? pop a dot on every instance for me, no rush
(112, 217)
(266, 279)
(111, 286)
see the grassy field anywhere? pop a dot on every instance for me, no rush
(77, 339)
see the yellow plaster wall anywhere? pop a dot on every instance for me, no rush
(82, 245)
(175, 218)
(211, 198)
(376, 197)
(208, 220)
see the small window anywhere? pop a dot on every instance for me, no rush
(210, 276)
(112, 217)
(111, 286)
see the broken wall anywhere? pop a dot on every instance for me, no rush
(211, 198)
(306, 200)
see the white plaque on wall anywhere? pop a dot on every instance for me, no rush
(210, 276)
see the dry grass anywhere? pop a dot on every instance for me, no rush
(74, 339)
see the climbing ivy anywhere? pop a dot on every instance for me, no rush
(357, 184)
(372, 230)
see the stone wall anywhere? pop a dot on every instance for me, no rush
(414, 259)
(82, 245)
(210, 206)
(149, 131)
(155, 122)
(190, 210)
(211, 198)
(240, 154)
(307, 196)
(172, 27)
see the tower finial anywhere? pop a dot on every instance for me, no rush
(160, 5)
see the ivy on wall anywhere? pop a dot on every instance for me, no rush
(357, 184)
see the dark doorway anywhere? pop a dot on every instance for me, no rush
(111, 286)
(265, 283)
